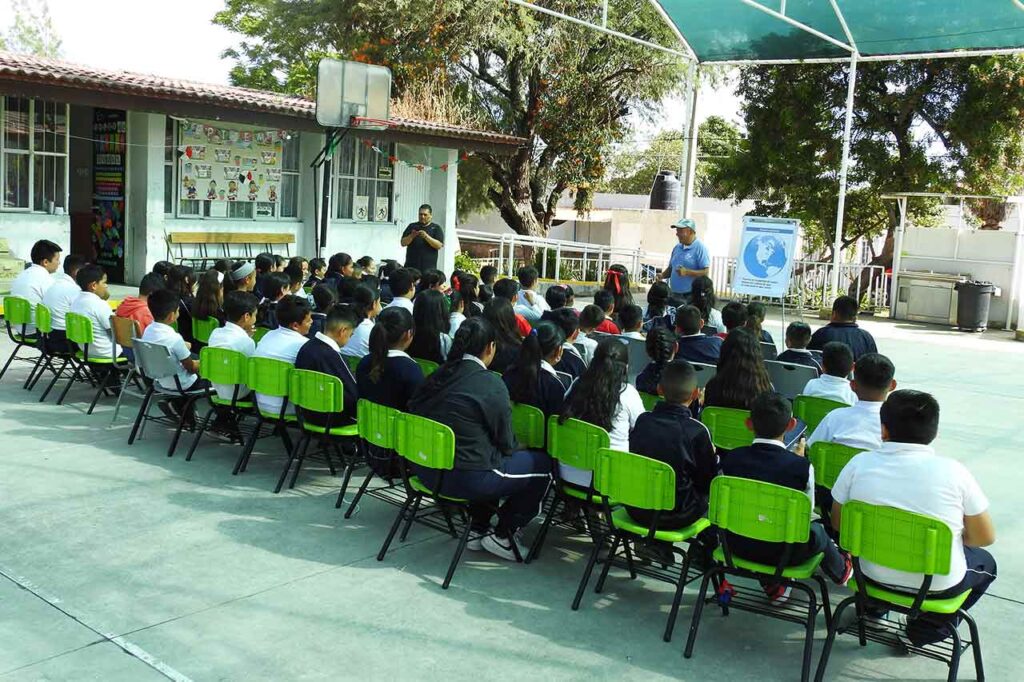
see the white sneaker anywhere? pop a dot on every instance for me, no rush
(475, 543)
(502, 547)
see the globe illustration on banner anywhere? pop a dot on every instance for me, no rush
(765, 256)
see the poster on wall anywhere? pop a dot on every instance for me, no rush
(767, 249)
(107, 233)
(223, 164)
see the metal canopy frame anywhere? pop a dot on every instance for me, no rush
(852, 58)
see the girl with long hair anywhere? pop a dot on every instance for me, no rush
(756, 312)
(603, 397)
(489, 465)
(209, 301)
(387, 375)
(532, 380)
(502, 317)
(181, 279)
(616, 280)
(661, 349)
(702, 296)
(468, 286)
(456, 312)
(366, 303)
(430, 315)
(658, 312)
(324, 297)
(741, 374)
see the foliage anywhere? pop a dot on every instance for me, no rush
(567, 90)
(31, 31)
(465, 262)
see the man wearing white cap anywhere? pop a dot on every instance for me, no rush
(689, 260)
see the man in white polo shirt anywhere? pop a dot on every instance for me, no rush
(92, 303)
(294, 317)
(32, 283)
(858, 426)
(905, 473)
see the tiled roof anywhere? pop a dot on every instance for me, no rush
(37, 70)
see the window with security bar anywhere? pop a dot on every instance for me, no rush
(365, 180)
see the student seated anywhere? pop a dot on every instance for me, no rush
(508, 289)
(658, 312)
(275, 287)
(616, 281)
(294, 319)
(323, 354)
(837, 360)
(798, 334)
(529, 303)
(768, 460)
(317, 272)
(532, 379)
(92, 303)
(403, 288)
(339, 266)
(209, 300)
(632, 319)
(605, 300)
(324, 297)
(488, 276)
(734, 316)
(703, 298)
(61, 295)
(468, 287)
(572, 362)
(661, 349)
(135, 307)
(556, 296)
(388, 375)
(669, 433)
(165, 306)
(591, 318)
(236, 334)
(182, 281)
(603, 397)
(843, 327)
(33, 282)
(858, 426)
(456, 314)
(432, 279)
(499, 313)
(430, 320)
(741, 374)
(906, 473)
(756, 312)
(293, 271)
(694, 345)
(366, 304)
(489, 465)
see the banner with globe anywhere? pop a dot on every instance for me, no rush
(767, 250)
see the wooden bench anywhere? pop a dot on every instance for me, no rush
(204, 248)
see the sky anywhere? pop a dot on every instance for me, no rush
(177, 40)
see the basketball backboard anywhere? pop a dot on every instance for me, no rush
(345, 90)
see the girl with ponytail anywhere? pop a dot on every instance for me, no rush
(616, 280)
(532, 380)
(468, 287)
(388, 375)
(661, 349)
(489, 465)
(366, 304)
(604, 397)
(502, 317)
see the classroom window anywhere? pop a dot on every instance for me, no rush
(33, 154)
(169, 165)
(364, 181)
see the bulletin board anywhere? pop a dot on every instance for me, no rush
(228, 163)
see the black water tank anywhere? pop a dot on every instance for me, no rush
(666, 192)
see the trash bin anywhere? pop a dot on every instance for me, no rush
(972, 305)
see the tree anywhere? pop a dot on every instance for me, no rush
(31, 31)
(567, 90)
(633, 171)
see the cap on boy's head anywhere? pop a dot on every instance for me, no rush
(734, 315)
(238, 303)
(591, 316)
(162, 303)
(874, 371)
(604, 299)
(770, 414)
(678, 379)
(845, 308)
(837, 359)
(685, 223)
(910, 416)
(798, 335)
(688, 320)
(631, 316)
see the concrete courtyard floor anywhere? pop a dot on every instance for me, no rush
(118, 563)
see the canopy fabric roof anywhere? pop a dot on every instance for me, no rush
(835, 30)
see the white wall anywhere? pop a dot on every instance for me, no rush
(22, 230)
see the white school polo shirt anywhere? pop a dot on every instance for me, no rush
(232, 337)
(858, 426)
(912, 477)
(359, 343)
(630, 407)
(831, 387)
(280, 344)
(31, 284)
(400, 302)
(99, 312)
(59, 297)
(161, 334)
(531, 311)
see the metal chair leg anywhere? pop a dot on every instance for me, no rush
(142, 415)
(412, 517)
(56, 376)
(111, 372)
(35, 368)
(199, 433)
(298, 450)
(247, 448)
(394, 526)
(538, 541)
(979, 666)
(591, 560)
(958, 648)
(697, 610)
(812, 614)
(833, 630)
(458, 555)
(120, 396)
(355, 500)
(17, 347)
(673, 612)
(74, 378)
(616, 539)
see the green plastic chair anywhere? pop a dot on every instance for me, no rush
(44, 326)
(17, 317)
(769, 513)
(202, 327)
(378, 427)
(80, 332)
(431, 445)
(902, 541)
(270, 378)
(642, 483)
(575, 443)
(650, 400)
(428, 366)
(812, 409)
(258, 333)
(728, 427)
(828, 460)
(229, 368)
(528, 426)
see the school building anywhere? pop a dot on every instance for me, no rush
(123, 166)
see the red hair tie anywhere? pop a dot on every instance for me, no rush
(456, 284)
(618, 285)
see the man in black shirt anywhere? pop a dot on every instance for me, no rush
(422, 241)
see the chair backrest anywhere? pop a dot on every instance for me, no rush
(44, 319)
(759, 510)
(353, 362)
(154, 361)
(896, 539)
(378, 424)
(269, 376)
(425, 442)
(650, 400)
(705, 373)
(728, 427)
(428, 366)
(315, 391)
(811, 409)
(768, 350)
(258, 333)
(635, 480)
(202, 327)
(223, 365)
(78, 328)
(126, 330)
(528, 425)
(17, 310)
(638, 358)
(828, 460)
(576, 442)
(789, 380)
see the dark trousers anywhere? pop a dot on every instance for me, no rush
(833, 563)
(522, 481)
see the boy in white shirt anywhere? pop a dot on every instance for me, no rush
(92, 303)
(165, 304)
(529, 303)
(631, 317)
(403, 288)
(294, 317)
(59, 299)
(236, 334)
(33, 282)
(859, 426)
(905, 473)
(837, 363)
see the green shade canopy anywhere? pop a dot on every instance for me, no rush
(798, 30)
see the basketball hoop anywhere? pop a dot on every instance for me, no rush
(364, 123)
(348, 90)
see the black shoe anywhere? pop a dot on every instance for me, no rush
(167, 407)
